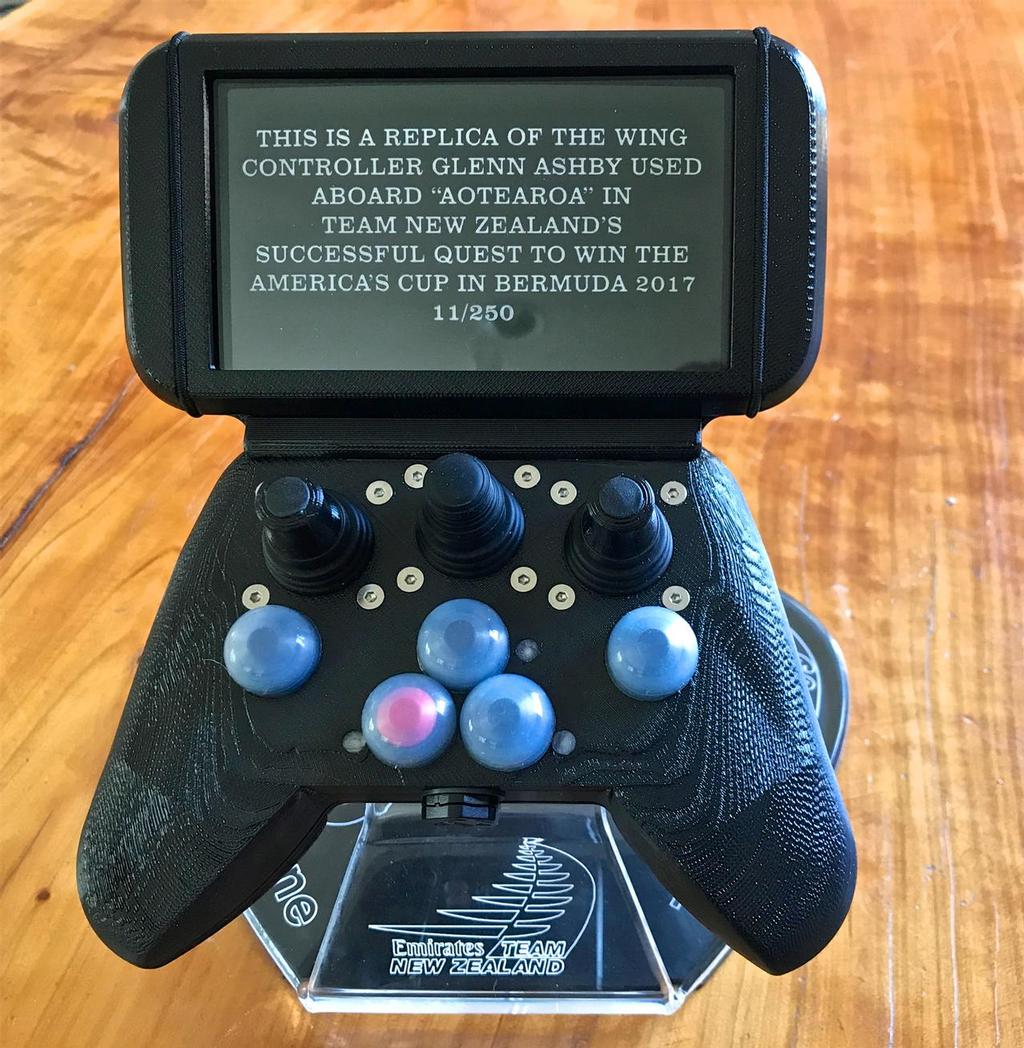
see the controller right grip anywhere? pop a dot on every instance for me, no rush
(752, 835)
(775, 882)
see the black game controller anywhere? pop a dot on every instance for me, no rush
(466, 611)
(722, 783)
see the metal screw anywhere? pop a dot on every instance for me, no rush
(379, 492)
(672, 493)
(561, 597)
(527, 476)
(255, 596)
(675, 598)
(409, 579)
(563, 492)
(414, 475)
(370, 596)
(523, 579)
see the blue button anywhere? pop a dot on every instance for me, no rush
(408, 720)
(271, 650)
(652, 653)
(507, 722)
(461, 643)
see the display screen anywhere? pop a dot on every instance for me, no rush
(513, 224)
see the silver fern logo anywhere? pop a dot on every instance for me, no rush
(540, 909)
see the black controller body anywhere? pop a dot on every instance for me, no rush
(726, 789)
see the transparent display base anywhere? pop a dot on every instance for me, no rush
(547, 909)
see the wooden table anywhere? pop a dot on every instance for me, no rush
(888, 492)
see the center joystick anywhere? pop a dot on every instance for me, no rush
(314, 541)
(619, 542)
(470, 524)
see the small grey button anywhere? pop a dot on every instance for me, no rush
(353, 742)
(527, 650)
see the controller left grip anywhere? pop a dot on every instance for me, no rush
(184, 831)
(157, 876)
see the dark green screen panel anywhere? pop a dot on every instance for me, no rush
(555, 224)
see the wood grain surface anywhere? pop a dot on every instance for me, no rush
(889, 493)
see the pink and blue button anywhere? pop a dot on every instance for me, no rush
(408, 720)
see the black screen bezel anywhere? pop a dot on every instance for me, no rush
(201, 61)
(222, 293)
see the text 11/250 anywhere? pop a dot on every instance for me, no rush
(470, 311)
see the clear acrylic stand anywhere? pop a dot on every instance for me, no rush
(547, 909)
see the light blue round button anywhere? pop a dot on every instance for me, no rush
(408, 720)
(652, 653)
(507, 722)
(271, 650)
(461, 643)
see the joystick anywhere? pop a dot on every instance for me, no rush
(470, 524)
(619, 542)
(313, 541)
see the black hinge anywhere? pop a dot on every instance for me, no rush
(677, 439)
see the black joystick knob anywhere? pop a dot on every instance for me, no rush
(619, 542)
(313, 541)
(470, 524)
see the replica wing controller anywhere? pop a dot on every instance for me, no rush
(474, 297)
